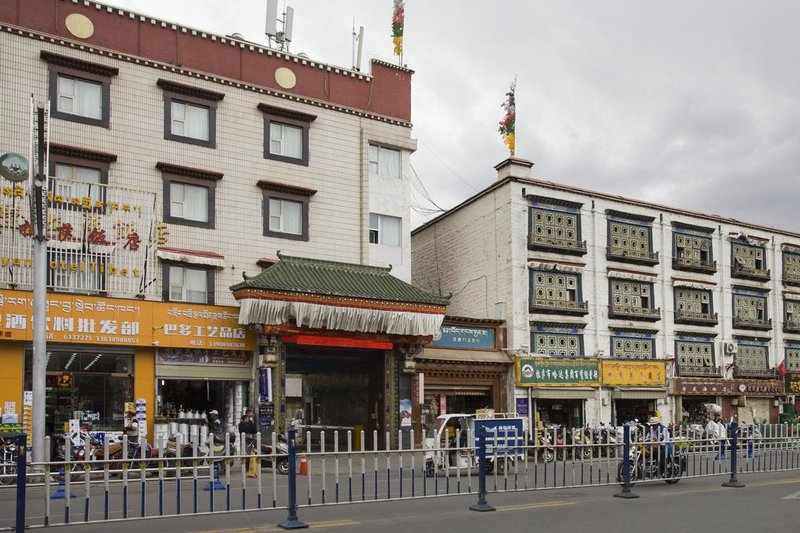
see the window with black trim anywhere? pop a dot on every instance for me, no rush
(632, 300)
(385, 162)
(190, 113)
(696, 358)
(791, 267)
(286, 210)
(78, 173)
(556, 292)
(183, 282)
(286, 134)
(791, 317)
(692, 251)
(80, 91)
(554, 343)
(752, 360)
(793, 358)
(189, 195)
(694, 306)
(385, 229)
(555, 226)
(632, 347)
(749, 261)
(750, 311)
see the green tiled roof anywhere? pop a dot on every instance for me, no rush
(330, 278)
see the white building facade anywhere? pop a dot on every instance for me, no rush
(634, 287)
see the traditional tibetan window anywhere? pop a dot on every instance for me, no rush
(190, 113)
(694, 306)
(749, 261)
(553, 340)
(752, 359)
(632, 300)
(750, 310)
(80, 91)
(286, 134)
(793, 357)
(556, 292)
(692, 248)
(791, 266)
(555, 226)
(695, 356)
(630, 238)
(628, 345)
(189, 195)
(285, 210)
(791, 316)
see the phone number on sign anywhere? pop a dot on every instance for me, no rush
(96, 338)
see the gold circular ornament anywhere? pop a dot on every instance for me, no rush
(285, 78)
(80, 26)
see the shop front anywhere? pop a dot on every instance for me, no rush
(747, 400)
(461, 371)
(559, 388)
(336, 346)
(638, 389)
(101, 356)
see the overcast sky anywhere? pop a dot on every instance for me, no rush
(691, 103)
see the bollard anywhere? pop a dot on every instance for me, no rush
(292, 521)
(22, 466)
(733, 482)
(482, 506)
(626, 466)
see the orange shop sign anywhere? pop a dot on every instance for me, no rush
(95, 320)
(634, 373)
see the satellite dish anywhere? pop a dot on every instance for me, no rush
(272, 18)
(238, 36)
(303, 55)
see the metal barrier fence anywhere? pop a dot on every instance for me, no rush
(97, 483)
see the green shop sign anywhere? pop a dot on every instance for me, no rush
(557, 372)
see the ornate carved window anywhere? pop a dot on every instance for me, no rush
(749, 262)
(793, 359)
(630, 242)
(557, 343)
(791, 268)
(752, 361)
(632, 348)
(694, 306)
(791, 318)
(750, 311)
(556, 292)
(632, 299)
(695, 358)
(693, 252)
(556, 229)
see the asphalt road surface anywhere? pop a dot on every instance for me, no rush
(768, 502)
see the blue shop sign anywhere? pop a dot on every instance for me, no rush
(452, 336)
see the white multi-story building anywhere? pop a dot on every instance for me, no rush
(706, 306)
(181, 160)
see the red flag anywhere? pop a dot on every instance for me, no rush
(782, 368)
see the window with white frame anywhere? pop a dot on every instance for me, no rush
(73, 181)
(285, 140)
(188, 284)
(285, 216)
(81, 97)
(384, 229)
(190, 120)
(189, 202)
(384, 162)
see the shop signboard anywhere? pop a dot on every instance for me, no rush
(203, 357)
(97, 320)
(727, 387)
(557, 372)
(634, 373)
(458, 336)
(793, 383)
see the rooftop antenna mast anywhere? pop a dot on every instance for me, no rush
(279, 39)
(358, 42)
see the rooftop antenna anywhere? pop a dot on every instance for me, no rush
(279, 39)
(358, 42)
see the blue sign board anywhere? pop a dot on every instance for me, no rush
(457, 336)
(503, 435)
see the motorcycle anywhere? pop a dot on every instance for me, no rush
(266, 454)
(605, 440)
(583, 440)
(8, 461)
(653, 460)
(544, 451)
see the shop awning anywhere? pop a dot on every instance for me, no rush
(639, 394)
(464, 356)
(328, 295)
(564, 394)
(211, 373)
(459, 390)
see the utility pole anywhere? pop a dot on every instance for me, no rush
(38, 191)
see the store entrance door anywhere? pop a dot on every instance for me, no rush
(566, 413)
(630, 410)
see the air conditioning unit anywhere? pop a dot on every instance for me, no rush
(729, 348)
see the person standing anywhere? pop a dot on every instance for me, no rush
(717, 433)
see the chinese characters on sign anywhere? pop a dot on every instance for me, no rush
(452, 336)
(554, 371)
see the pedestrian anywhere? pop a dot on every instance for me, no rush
(716, 433)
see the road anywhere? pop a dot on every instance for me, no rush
(768, 502)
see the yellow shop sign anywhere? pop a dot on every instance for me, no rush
(634, 373)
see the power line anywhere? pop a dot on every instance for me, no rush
(456, 174)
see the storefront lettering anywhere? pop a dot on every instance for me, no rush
(188, 330)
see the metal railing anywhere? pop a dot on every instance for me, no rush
(107, 483)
